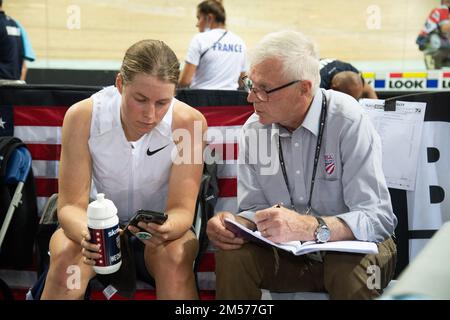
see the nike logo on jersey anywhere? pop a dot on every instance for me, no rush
(152, 152)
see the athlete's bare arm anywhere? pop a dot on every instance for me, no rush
(75, 170)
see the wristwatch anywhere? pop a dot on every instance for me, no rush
(322, 232)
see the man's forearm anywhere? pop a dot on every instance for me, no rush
(339, 229)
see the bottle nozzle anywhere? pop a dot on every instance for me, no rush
(100, 196)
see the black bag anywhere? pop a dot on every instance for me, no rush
(17, 248)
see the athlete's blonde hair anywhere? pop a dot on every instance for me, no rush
(152, 57)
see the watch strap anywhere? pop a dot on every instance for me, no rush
(322, 226)
(321, 222)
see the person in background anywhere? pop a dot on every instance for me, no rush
(29, 54)
(15, 49)
(434, 37)
(342, 76)
(216, 57)
(324, 182)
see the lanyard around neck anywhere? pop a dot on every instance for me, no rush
(323, 117)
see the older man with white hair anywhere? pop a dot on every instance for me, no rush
(324, 183)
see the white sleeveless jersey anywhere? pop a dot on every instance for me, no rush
(134, 175)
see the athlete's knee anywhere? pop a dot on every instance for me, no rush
(65, 256)
(180, 254)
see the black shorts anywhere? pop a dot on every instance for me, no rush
(131, 269)
(141, 270)
(138, 248)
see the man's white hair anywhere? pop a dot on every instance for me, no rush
(298, 54)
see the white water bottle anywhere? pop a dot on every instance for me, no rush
(103, 225)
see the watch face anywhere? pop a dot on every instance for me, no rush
(323, 235)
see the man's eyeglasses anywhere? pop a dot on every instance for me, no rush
(261, 94)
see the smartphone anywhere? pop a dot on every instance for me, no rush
(146, 216)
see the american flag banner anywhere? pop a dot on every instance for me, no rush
(35, 115)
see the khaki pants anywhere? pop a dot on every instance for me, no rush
(242, 273)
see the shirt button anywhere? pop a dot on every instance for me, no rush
(296, 144)
(301, 198)
(297, 172)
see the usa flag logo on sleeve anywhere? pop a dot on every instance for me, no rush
(330, 164)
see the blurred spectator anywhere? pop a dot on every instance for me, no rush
(216, 56)
(15, 48)
(342, 76)
(434, 38)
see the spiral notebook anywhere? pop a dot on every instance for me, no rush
(299, 248)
